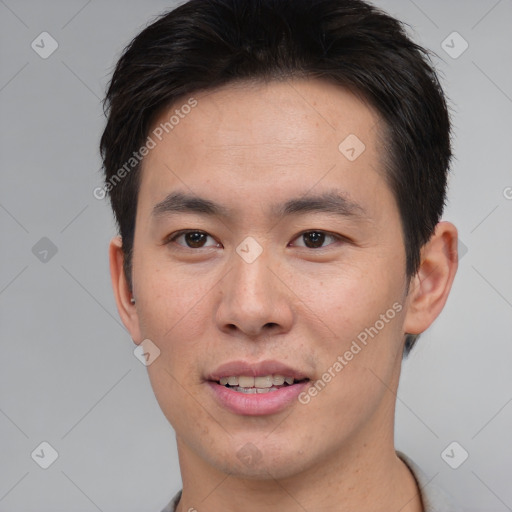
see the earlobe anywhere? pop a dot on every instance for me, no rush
(431, 285)
(122, 293)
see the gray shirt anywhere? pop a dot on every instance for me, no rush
(433, 498)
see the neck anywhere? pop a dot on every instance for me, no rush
(358, 476)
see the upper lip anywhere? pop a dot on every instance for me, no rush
(258, 369)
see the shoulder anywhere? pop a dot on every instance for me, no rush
(171, 506)
(433, 497)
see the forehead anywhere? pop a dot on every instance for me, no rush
(292, 135)
(229, 113)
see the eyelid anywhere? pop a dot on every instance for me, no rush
(173, 236)
(336, 236)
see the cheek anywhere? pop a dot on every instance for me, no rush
(348, 296)
(170, 299)
(357, 343)
(173, 314)
(356, 314)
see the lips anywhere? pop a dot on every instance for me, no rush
(259, 397)
(260, 369)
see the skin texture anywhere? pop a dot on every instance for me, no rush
(249, 147)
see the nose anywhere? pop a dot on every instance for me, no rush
(254, 299)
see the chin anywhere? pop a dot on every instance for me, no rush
(265, 462)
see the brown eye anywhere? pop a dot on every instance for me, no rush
(195, 239)
(192, 239)
(314, 239)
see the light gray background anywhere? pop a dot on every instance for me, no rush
(68, 374)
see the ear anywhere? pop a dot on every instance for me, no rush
(122, 293)
(431, 285)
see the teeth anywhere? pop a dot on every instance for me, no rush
(252, 391)
(246, 382)
(248, 391)
(261, 384)
(278, 380)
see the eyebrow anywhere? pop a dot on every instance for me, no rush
(177, 202)
(328, 202)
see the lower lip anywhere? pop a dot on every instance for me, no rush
(257, 404)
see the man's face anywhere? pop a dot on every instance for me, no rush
(308, 286)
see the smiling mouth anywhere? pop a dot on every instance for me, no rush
(252, 385)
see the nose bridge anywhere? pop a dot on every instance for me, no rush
(253, 298)
(251, 286)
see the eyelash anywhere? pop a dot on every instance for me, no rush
(173, 237)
